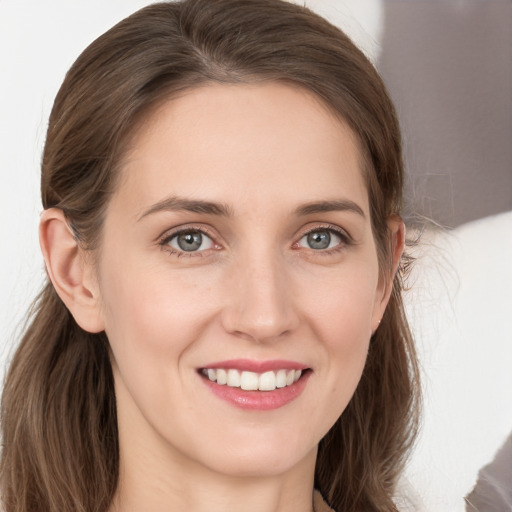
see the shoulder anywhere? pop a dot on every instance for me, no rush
(319, 504)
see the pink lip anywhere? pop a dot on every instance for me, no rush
(258, 400)
(250, 365)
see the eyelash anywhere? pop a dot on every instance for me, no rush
(346, 239)
(165, 239)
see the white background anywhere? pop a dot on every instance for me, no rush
(461, 304)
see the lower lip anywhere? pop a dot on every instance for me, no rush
(258, 400)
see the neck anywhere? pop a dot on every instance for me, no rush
(173, 483)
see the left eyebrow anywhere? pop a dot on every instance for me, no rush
(342, 205)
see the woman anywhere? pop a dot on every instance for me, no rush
(222, 327)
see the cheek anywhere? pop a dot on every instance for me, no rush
(342, 308)
(150, 314)
(341, 317)
(152, 322)
(344, 327)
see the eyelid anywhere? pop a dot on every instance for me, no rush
(345, 242)
(166, 236)
(164, 239)
(342, 233)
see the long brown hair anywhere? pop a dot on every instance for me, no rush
(60, 444)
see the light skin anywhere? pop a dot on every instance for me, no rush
(269, 184)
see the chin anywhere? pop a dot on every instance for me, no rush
(262, 463)
(258, 457)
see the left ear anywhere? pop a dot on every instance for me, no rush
(396, 240)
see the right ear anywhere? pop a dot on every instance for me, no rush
(71, 274)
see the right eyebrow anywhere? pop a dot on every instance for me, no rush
(176, 203)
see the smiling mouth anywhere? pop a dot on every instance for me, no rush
(253, 381)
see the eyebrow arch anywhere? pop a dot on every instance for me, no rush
(330, 206)
(176, 203)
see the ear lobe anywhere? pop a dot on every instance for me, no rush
(396, 230)
(72, 277)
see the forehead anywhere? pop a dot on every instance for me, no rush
(256, 142)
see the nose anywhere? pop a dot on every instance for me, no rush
(261, 305)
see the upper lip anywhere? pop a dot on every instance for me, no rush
(251, 365)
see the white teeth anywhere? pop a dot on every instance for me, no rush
(233, 379)
(249, 381)
(281, 379)
(222, 377)
(252, 381)
(267, 381)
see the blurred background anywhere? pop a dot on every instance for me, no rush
(448, 67)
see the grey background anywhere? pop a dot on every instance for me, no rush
(448, 66)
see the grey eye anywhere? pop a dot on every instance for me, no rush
(320, 239)
(191, 241)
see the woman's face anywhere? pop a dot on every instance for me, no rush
(238, 248)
